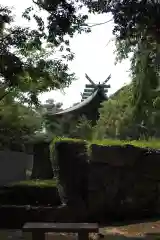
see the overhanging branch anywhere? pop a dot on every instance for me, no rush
(97, 24)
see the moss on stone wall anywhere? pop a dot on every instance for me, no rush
(122, 179)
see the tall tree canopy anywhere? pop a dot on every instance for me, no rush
(137, 32)
(27, 65)
(51, 125)
(18, 124)
(136, 28)
(116, 117)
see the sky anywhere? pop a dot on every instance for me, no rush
(93, 55)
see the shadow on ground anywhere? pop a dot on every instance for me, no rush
(148, 236)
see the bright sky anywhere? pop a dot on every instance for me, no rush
(92, 56)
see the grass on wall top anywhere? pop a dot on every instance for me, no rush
(60, 139)
(35, 183)
(152, 143)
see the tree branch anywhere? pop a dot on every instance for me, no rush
(4, 86)
(112, 39)
(4, 95)
(97, 24)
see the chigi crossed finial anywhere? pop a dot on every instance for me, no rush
(90, 88)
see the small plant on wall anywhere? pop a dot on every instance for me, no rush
(83, 129)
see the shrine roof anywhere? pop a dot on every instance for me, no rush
(80, 105)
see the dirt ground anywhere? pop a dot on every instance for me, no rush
(144, 230)
(147, 230)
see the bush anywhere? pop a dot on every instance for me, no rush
(30, 193)
(70, 158)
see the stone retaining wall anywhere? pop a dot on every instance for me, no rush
(105, 183)
(13, 166)
(124, 181)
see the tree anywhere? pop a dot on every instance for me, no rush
(137, 33)
(26, 67)
(51, 124)
(136, 30)
(116, 117)
(65, 126)
(18, 124)
(23, 50)
(82, 129)
(51, 106)
(64, 18)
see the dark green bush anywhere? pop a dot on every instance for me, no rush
(30, 193)
(70, 157)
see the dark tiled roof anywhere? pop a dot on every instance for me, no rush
(80, 105)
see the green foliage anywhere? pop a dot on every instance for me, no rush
(62, 139)
(117, 117)
(51, 124)
(26, 66)
(136, 29)
(67, 126)
(17, 123)
(36, 183)
(63, 18)
(152, 143)
(57, 126)
(64, 126)
(137, 36)
(83, 129)
(30, 193)
(145, 76)
(40, 137)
